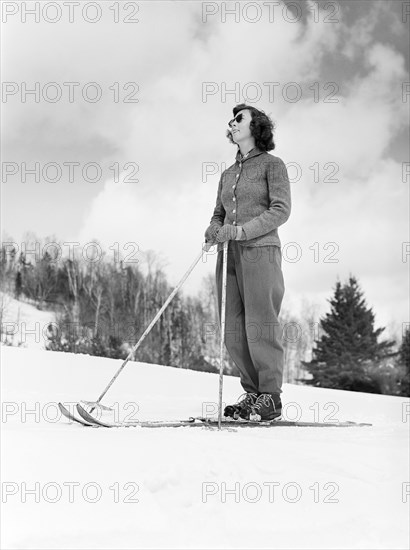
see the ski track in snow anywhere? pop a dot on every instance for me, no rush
(167, 468)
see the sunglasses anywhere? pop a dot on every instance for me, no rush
(238, 119)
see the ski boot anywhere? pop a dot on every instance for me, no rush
(268, 406)
(241, 407)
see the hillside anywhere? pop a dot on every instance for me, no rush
(23, 324)
(289, 488)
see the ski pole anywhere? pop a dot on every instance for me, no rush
(221, 349)
(148, 329)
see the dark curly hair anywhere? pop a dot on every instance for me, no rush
(261, 127)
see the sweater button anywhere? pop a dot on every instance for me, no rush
(233, 211)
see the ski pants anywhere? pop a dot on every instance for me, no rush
(254, 293)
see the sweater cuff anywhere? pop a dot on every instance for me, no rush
(240, 234)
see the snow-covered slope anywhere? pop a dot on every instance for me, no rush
(193, 488)
(23, 324)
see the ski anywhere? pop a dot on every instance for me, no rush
(78, 420)
(199, 421)
(281, 423)
(90, 419)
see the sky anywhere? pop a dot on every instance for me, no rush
(334, 77)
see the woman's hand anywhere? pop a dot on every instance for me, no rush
(229, 233)
(211, 232)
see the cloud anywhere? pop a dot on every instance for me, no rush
(173, 130)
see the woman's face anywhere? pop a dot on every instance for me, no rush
(240, 130)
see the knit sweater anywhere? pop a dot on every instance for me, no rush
(254, 193)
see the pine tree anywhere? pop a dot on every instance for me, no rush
(404, 359)
(349, 344)
(405, 349)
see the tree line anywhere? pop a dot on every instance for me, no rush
(103, 307)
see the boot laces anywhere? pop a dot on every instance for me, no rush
(264, 400)
(246, 398)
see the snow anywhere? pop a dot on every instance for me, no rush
(23, 324)
(349, 485)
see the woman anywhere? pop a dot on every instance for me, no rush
(253, 200)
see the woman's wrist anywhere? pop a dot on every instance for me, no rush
(240, 233)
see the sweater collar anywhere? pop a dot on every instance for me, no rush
(252, 153)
